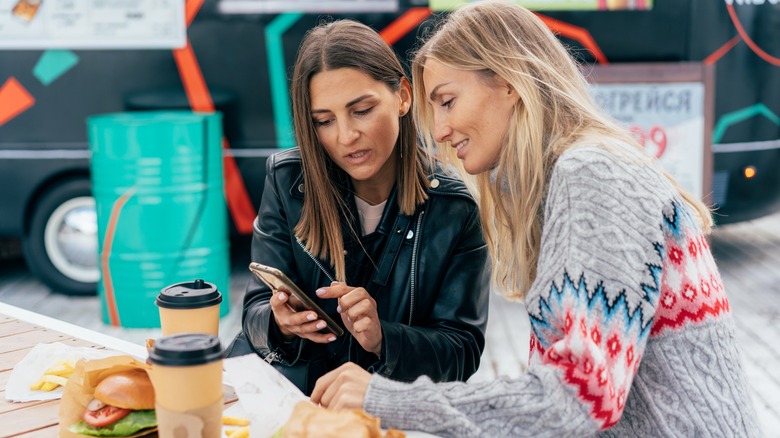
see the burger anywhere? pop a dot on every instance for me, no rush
(309, 420)
(123, 405)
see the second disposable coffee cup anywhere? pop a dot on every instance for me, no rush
(187, 378)
(189, 307)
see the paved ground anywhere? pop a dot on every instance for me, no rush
(748, 255)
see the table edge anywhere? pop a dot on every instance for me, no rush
(67, 328)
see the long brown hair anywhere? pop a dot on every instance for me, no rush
(555, 112)
(330, 46)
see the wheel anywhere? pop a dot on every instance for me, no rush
(61, 247)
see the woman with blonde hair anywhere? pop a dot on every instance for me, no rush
(631, 333)
(375, 233)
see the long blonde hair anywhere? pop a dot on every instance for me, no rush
(345, 44)
(554, 112)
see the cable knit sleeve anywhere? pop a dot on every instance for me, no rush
(591, 308)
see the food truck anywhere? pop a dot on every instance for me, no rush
(697, 81)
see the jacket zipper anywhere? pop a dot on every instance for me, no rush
(315, 260)
(271, 357)
(414, 263)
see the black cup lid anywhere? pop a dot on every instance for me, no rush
(189, 295)
(186, 349)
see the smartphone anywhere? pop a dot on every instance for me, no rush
(277, 281)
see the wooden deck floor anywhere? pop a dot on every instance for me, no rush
(748, 255)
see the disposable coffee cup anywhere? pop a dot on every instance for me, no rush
(187, 377)
(190, 307)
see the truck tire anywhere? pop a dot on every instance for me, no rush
(61, 246)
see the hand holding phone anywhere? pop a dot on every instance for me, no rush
(297, 321)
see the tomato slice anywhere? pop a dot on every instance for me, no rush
(105, 416)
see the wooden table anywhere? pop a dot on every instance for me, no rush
(20, 331)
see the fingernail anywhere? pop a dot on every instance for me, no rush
(331, 339)
(282, 296)
(349, 319)
(338, 309)
(321, 325)
(311, 317)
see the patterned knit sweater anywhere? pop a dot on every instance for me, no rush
(631, 331)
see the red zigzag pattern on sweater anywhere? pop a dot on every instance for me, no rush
(661, 323)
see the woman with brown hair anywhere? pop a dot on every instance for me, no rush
(631, 332)
(378, 236)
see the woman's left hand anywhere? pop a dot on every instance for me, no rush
(358, 311)
(343, 388)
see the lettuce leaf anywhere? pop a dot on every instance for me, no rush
(134, 422)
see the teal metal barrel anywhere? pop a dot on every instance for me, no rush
(161, 210)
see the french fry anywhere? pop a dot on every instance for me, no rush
(58, 380)
(61, 368)
(36, 386)
(55, 376)
(242, 432)
(49, 386)
(234, 421)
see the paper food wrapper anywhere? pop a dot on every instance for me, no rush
(81, 385)
(37, 361)
(266, 397)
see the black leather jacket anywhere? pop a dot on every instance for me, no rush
(428, 274)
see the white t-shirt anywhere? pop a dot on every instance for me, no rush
(369, 214)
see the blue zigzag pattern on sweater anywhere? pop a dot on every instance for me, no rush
(547, 333)
(673, 225)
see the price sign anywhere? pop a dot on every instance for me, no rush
(667, 119)
(654, 140)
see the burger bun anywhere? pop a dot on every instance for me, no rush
(126, 389)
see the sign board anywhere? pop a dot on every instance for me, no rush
(556, 5)
(92, 24)
(306, 6)
(669, 110)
